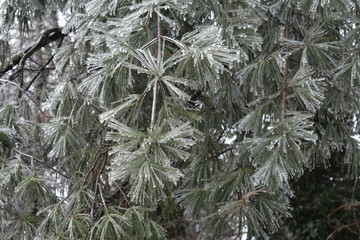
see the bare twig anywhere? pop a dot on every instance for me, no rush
(71, 115)
(97, 186)
(346, 205)
(38, 73)
(43, 67)
(23, 90)
(39, 161)
(218, 154)
(251, 193)
(337, 230)
(95, 160)
(102, 198)
(124, 195)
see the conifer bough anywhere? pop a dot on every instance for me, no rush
(179, 119)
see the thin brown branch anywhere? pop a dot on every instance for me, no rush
(23, 91)
(337, 230)
(123, 194)
(39, 161)
(251, 193)
(345, 93)
(95, 160)
(218, 154)
(97, 186)
(346, 205)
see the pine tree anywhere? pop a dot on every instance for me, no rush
(177, 119)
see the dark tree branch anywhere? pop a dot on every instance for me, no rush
(47, 37)
(43, 67)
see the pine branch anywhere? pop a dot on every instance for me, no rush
(153, 110)
(47, 37)
(285, 79)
